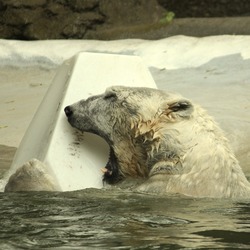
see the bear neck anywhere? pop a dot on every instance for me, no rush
(131, 159)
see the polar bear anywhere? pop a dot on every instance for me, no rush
(167, 141)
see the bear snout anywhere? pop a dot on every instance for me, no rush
(68, 111)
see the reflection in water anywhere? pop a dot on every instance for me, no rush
(114, 219)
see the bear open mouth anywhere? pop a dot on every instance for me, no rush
(111, 171)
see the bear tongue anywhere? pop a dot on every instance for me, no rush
(106, 171)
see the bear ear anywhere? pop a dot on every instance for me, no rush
(180, 108)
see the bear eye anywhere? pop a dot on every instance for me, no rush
(110, 96)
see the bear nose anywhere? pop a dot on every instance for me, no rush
(68, 111)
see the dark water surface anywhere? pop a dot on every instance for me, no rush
(116, 219)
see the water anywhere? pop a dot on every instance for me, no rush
(117, 219)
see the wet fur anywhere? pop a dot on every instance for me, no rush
(163, 138)
(32, 176)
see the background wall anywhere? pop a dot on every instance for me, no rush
(114, 19)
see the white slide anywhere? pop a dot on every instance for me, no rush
(72, 158)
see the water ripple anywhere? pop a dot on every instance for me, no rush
(115, 219)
